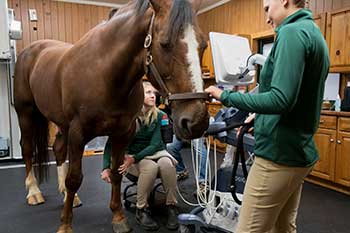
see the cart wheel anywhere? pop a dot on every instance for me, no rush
(187, 229)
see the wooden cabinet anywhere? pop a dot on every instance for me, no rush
(207, 63)
(325, 141)
(333, 143)
(337, 35)
(342, 168)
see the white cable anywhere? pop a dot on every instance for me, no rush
(202, 199)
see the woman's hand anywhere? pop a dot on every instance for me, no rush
(128, 161)
(214, 92)
(249, 119)
(106, 175)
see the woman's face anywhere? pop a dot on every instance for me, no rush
(275, 11)
(150, 95)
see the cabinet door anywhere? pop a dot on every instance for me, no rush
(342, 162)
(337, 37)
(325, 141)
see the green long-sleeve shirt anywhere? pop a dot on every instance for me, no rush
(147, 141)
(290, 95)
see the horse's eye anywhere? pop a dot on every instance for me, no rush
(166, 45)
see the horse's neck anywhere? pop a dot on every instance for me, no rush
(118, 46)
(127, 33)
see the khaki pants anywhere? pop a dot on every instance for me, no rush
(147, 170)
(271, 198)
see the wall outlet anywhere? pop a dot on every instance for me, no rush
(32, 15)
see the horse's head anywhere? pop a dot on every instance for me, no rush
(173, 63)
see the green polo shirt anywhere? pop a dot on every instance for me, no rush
(147, 141)
(290, 95)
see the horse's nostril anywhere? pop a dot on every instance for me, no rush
(184, 122)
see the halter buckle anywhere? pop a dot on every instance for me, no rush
(149, 59)
(148, 41)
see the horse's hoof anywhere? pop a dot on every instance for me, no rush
(121, 226)
(36, 199)
(77, 202)
(65, 229)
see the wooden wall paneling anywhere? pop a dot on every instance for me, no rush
(247, 16)
(327, 5)
(47, 19)
(312, 5)
(68, 22)
(345, 3)
(10, 4)
(87, 18)
(106, 11)
(101, 15)
(249, 11)
(319, 7)
(238, 17)
(61, 21)
(25, 23)
(221, 19)
(94, 16)
(81, 19)
(16, 6)
(40, 23)
(54, 20)
(32, 24)
(337, 4)
(75, 23)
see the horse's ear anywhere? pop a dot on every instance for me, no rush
(196, 4)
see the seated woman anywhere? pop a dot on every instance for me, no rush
(147, 157)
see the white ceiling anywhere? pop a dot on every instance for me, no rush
(205, 5)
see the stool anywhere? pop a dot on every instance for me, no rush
(134, 179)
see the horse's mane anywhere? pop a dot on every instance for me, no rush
(141, 6)
(180, 15)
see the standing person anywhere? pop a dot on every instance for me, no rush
(288, 110)
(146, 157)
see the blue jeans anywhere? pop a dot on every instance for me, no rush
(176, 146)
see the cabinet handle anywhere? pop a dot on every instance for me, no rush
(331, 140)
(338, 141)
(321, 121)
(337, 52)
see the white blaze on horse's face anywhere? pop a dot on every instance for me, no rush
(193, 58)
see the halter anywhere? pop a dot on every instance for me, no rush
(151, 67)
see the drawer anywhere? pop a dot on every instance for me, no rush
(344, 124)
(328, 122)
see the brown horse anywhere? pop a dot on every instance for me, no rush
(94, 88)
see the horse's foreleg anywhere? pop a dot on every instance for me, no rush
(119, 221)
(34, 196)
(74, 176)
(60, 149)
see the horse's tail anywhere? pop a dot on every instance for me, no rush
(40, 145)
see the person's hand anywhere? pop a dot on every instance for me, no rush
(214, 92)
(106, 175)
(249, 119)
(128, 161)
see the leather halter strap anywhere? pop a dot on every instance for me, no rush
(151, 67)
